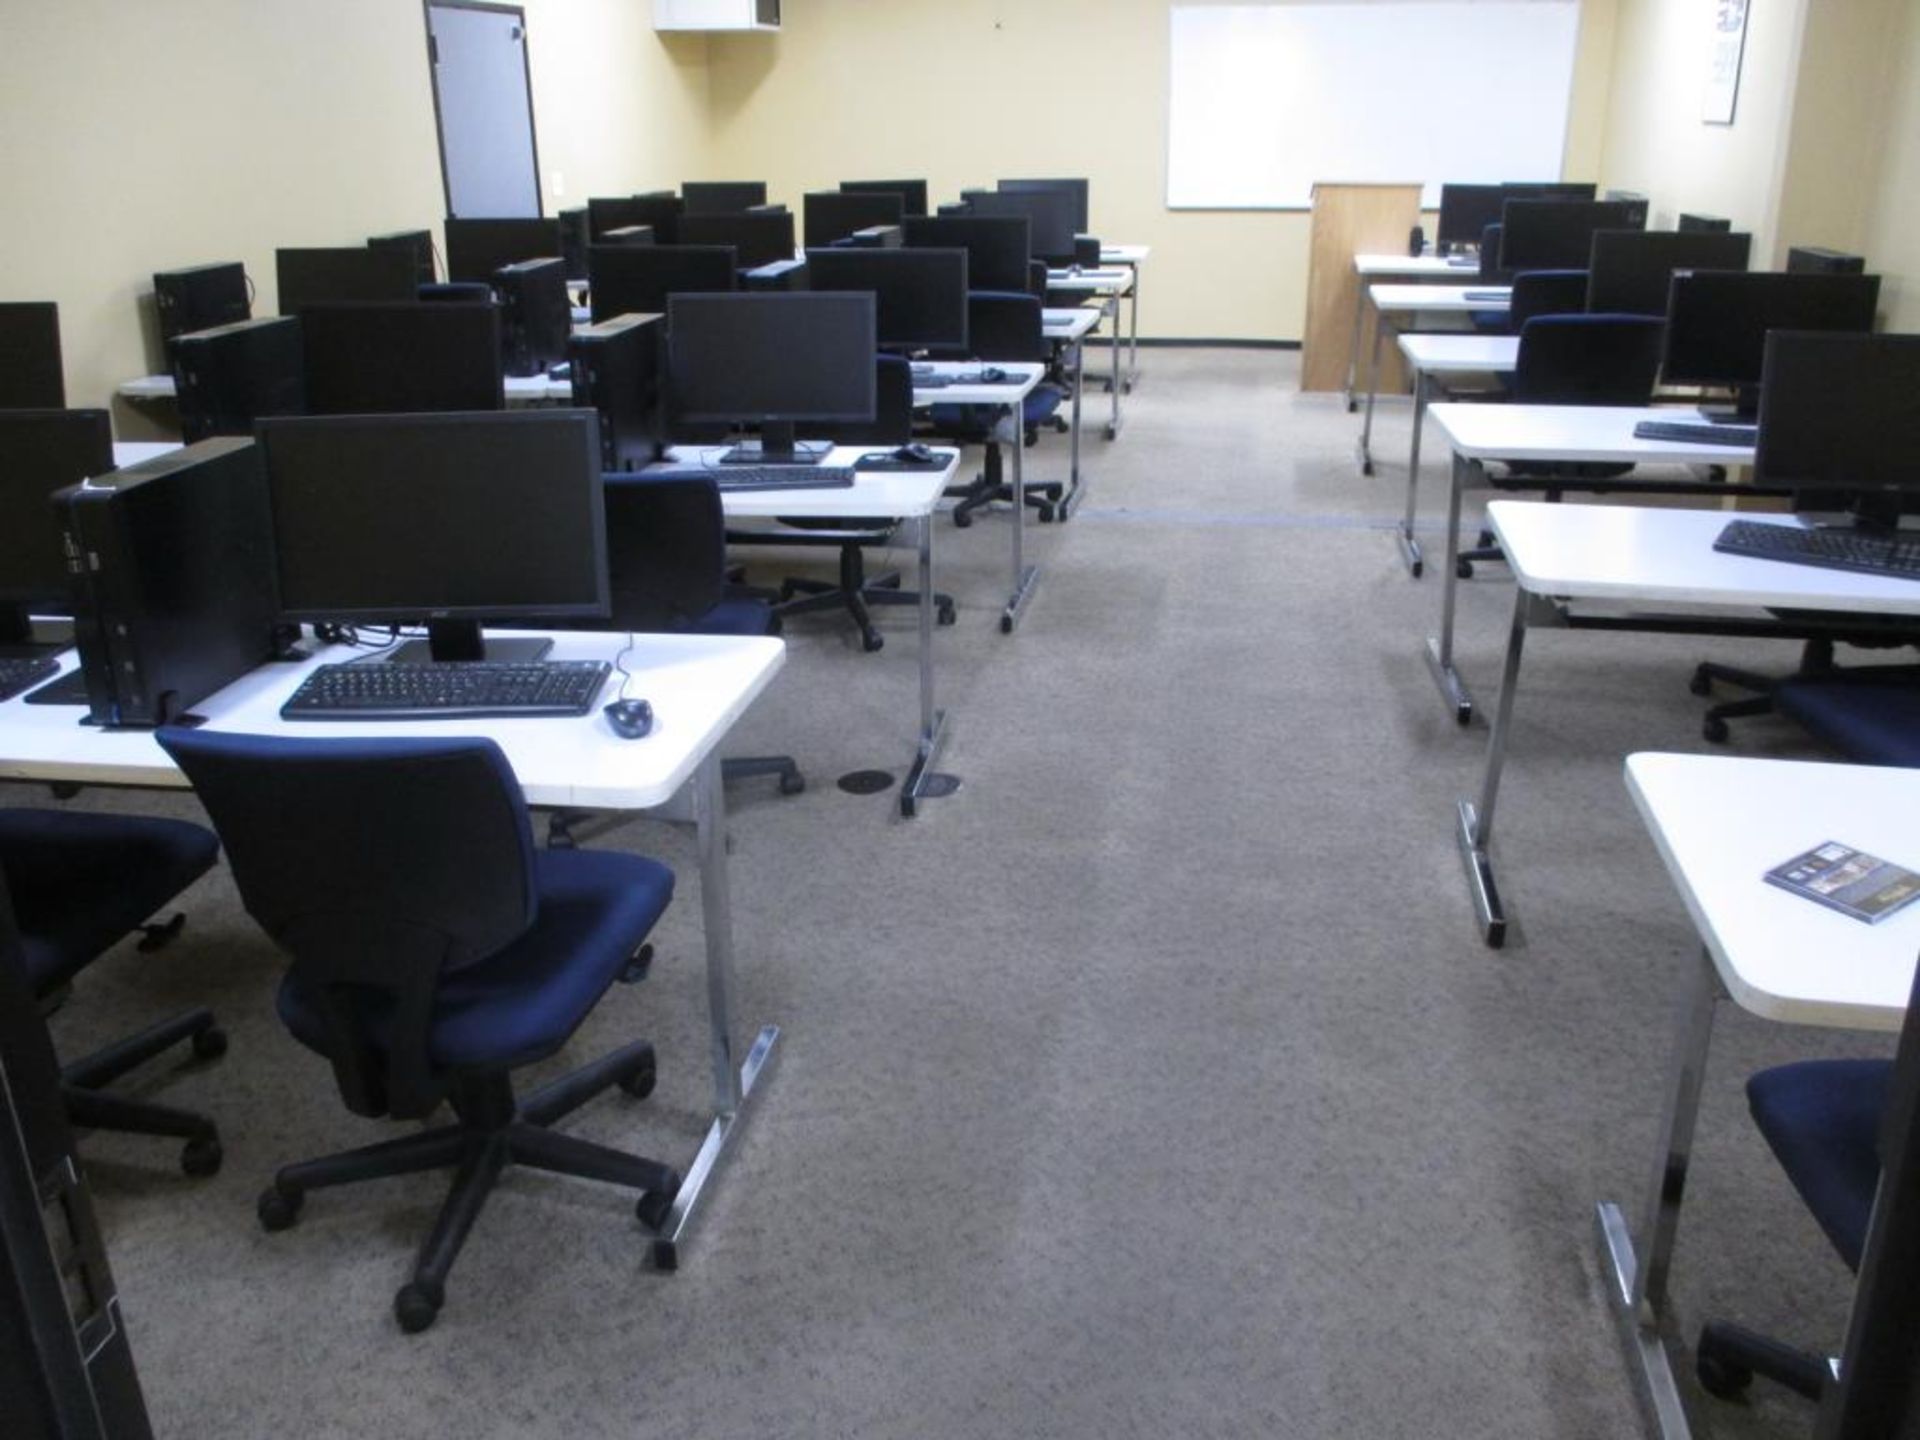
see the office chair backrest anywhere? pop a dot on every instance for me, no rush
(1037, 279)
(1004, 326)
(377, 865)
(1546, 292)
(892, 422)
(666, 550)
(1587, 360)
(1490, 268)
(456, 292)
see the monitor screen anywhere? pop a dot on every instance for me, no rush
(920, 296)
(31, 377)
(659, 209)
(336, 276)
(1558, 234)
(477, 248)
(1631, 270)
(1550, 190)
(772, 357)
(722, 197)
(912, 193)
(391, 518)
(997, 246)
(834, 214)
(759, 237)
(1717, 322)
(1466, 210)
(1049, 215)
(1074, 187)
(637, 279)
(1837, 413)
(42, 451)
(386, 359)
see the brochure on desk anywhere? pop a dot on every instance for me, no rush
(1848, 880)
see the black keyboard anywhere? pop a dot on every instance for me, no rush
(782, 477)
(452, 690)
(18, 675)
(1895, 556)
(1489, 297)
(1696, 432)
(931, 382)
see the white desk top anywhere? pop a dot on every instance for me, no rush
(1413, 266)
(1428, 351)
(1439, 299)
(1068, 324)
(1721, 822)
(699, 686)
(1125, 254)
(520, 389)
(132, 452)
(874, 494)
(1661, 556)
(1091, 282)
(1004, 393)
(1574, 432)
(147, 387)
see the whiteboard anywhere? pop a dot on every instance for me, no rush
(1266, 100)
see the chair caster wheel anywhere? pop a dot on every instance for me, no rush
(792, 783)
(210, 1044)
(201, 1156)
(1463, 569)
(961, 519)
(1701, 683)
(946, 614)
(278, 1208)
(638, 965)
(639, 1081)
(416, 1306)
(653, 1207)
(1721, 1378)
(871, 643)
(1715, 729)
(1046, 514)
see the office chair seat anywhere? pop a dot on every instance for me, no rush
(739, 615)
(520, 1004)
(1872, 715)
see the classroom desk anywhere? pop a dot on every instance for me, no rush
(876, 495)
(1068, 329)
(1132, 257)
(699, 686)
(1428, 355)
(1369, 267)
(1416, 300)
(1009, 398)
(1624, 567)
(1720, 823)
(1108, 287)
(1480, 434)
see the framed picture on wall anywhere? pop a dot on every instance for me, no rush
(1723, 61)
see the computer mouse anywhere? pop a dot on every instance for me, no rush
(916, 454)
(991, 374)
(630, 719)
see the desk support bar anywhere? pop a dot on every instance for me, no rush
(733, 1089)
(1410, 547)
(1071, 499)
(1453, 689)
(1024, 575)
(1112, 306)
(1373, 390)
(1476, 820)
(933, 723)
(1636, 1272)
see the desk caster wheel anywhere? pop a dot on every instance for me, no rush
(1701, 683)
(417, 1306)
(201, 1156)
(1463, 569)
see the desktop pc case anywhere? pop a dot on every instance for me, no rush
(617, 370)
(229, 376)
(200, 297)
(535, 315)
(173, 588)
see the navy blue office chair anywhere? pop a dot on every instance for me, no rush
(1002, 327)
(1821, 1118)
(81, 883)
(433, 952)
(1870, 714)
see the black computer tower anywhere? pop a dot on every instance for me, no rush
(227, 377)
(575, 236)
(200, 297)
(535, 315)
(629, 235)
(776, 275)
(173, 584)
(417, 243)
(1818, 260)
(617, 368)
(879, 237)
(1717, 224)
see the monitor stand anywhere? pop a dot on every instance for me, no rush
(24, 638)
(1745, 409)
(461, 640)
(776, 446)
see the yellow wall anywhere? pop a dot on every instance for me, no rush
(144, 136)
(1892, 237)
(966, 91)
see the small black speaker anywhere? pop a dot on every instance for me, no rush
(1416, 241)
(1714, 224)
(1818, 260)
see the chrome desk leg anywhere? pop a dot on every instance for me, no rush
(1410, 547)
(1475, 833)
(1373, 390)
(1353, 349)
(1024, 575)
(933, 723)
(1635, 1270)
(1133, 328)
(1071, 499)
(733, 1090)
(1112, 307)
(1453, 689)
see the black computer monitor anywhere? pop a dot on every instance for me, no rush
(41, 451)
(1551, 189)
(389, 359)
(637, 279)
(1838, 422)
(1558, 234)
(1076, 187)
(920, 296)
(722, 197)
(334, 276)
(1466, 211)
(775, 360)
(997, 246)
(1717, 322)
(1631, 271)
(31, 377)
(1049, 216)
(417, 243)
(452, 519)
(477, 248)
(759, 237)
(660, 209)
(912, 193)
(835, 214)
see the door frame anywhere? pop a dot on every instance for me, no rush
(427, 7)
